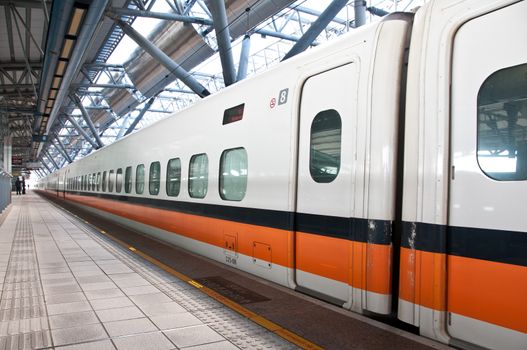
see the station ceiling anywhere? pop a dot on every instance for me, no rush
(72, 80)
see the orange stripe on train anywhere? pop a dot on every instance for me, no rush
(370, 263)
(480, 289)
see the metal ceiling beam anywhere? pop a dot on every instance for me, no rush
(377, 11)
(26, 53)
(140, 116)
(164, 59)
(159, 15)
(14, 66)
(90, 25)
(87, 119)
(25, 3)
(223, 38)
(45, 165)
(61, 146)
(104, 86)
(46, 152)
(316, 28)
(312, 12)
(81, 131)
(278, 35)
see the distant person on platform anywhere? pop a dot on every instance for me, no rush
(17, 185)
(23, 185)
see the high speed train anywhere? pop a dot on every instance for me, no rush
(385, 172)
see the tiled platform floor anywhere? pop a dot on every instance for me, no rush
(65, 286)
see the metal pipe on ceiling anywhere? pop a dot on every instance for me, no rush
(316, 28)
(159, 15)
(244, 58)
(140, 116)
(89, 27)
(164, 59)
(87, 118)
(61, 146)
(81, 131)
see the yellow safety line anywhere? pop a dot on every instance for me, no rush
(265, 323)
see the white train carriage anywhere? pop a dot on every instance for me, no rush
(303, 175)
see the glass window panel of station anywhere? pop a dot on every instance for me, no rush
(325, 146)
(154, 178)
(111, 180)
(198, 176)
(128, 179)
(233, 174)
(119, 180)
(140, 179)
(502, 124)
(104, 181)
(173, 177)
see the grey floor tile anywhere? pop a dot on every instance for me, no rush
(111, 303)
(162, 309)
(73, 319)
(96, 345)
(179, 320)
(223, 345)
(79, 334)
(64, 308)
(64, 298)
(54, 276)
(144, 341)
(191, 336)
(92, 279)
(155, 298)
(104, 294)
(98, 286)
(62, 289)
(146, 289)
(127, 327)
(124, 313)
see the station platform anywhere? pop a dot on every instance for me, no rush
(72, 283)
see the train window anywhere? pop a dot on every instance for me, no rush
(111, 180)
(140, 179)
(89, 182)
(154, 178)
(233, 174)
(128, 179)
(104, 181)
(119, 180)
(502, 122)
(324, 154)
(98, 181)
(173, 177)
(93, 182)
(198, 175)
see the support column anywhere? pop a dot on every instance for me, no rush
(140, 116)
(81, 131)
(316, 28)
(244, 58)
(360, 13)
(164, 59)
(87, 119)
(8, 154)
(221, 26)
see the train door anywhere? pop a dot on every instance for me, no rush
(325, 184)
(487, 240)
